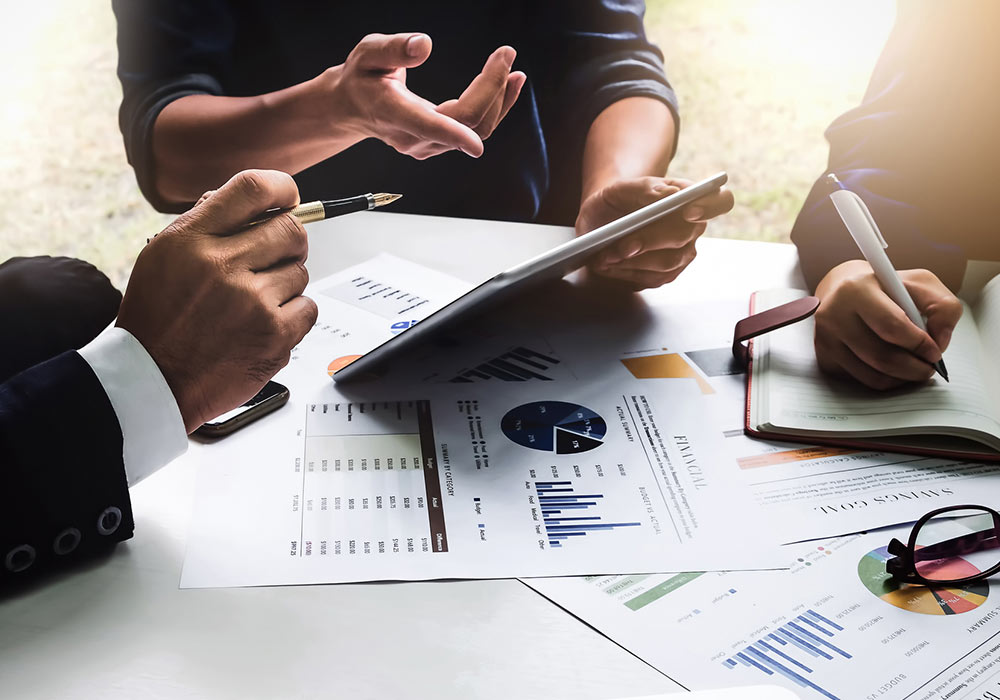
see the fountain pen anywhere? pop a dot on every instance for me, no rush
(329, 208)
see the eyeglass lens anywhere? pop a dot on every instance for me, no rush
(957, 544)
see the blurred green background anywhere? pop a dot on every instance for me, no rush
(758, 80)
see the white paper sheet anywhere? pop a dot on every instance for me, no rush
(813, 492)
(365, 305)
(833, 626)
(755, 692)
(463, 482)
(809, 492)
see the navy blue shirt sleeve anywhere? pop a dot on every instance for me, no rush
(919, 150)
(586, 55)
(580, 56)
(63, 489)
(166, 50)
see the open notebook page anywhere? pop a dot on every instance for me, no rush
(795, 397)
(986, 311)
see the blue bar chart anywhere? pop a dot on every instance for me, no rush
(792, 650)
(568, 514)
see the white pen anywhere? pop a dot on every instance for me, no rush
(864, 231)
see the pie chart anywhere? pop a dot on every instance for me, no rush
(554, 426)
(340, 363)
(926, 600)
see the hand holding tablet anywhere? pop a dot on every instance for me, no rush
(551, 264)
(658, 252)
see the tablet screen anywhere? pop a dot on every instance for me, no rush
(557, 262)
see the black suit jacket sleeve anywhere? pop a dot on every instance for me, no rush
(63, 489)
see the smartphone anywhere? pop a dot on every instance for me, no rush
(272, 397)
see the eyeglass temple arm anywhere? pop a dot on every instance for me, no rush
(894, 566)
(948, 547)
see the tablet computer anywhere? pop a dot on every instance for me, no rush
(554, 263)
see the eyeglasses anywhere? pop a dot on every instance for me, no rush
(948, 546)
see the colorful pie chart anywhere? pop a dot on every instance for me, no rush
(340, 363)
(927, 600)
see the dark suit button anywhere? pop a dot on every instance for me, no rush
(66, 541)
(20, 558)
(109, 520)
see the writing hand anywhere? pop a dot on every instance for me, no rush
(862, 333)
(657, 253)
(217, 305)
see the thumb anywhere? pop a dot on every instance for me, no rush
(391, 51)
(629, 195)
(246, 196)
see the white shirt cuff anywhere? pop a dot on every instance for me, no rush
(152, 428)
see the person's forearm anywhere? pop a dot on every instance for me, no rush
(631, 138)
(200, 141)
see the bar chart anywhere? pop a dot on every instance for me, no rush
(376, 296)
(567, 514)
(518, 364)
(792, 649)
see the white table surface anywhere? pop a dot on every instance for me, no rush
(121, 628)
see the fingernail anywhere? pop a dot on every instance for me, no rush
(662, 188)
(415, 44)
(694, 214)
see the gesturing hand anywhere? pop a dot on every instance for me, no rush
(659, 252)
(372, 85)
(219, 306)
(862, 333)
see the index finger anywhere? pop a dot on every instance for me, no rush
(890, 323)
(710, 206)
(475, 102)
(433, 127)
(244, 198)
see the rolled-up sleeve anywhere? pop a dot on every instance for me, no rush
(166, 50)
(903, 150)
(823, 241)
(587, 55)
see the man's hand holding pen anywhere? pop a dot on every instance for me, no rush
(218, 305)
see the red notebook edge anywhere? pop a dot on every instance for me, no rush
(860, 445)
